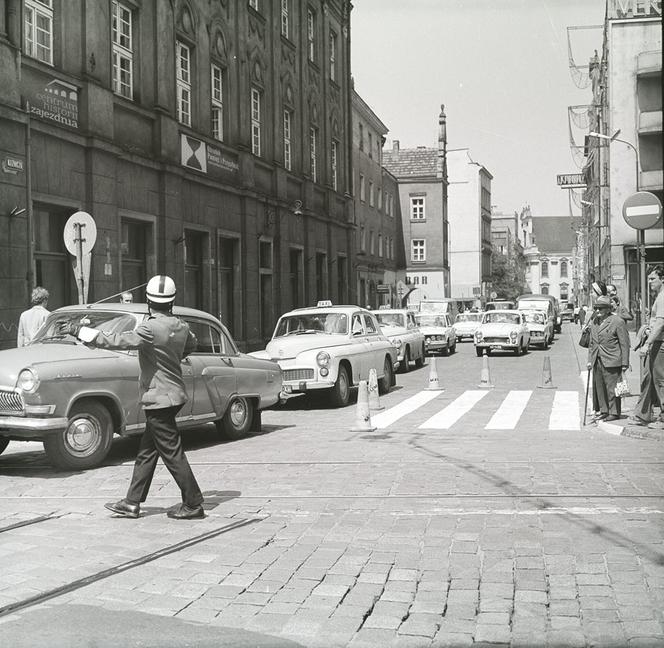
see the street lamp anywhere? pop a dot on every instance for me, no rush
(640, 233)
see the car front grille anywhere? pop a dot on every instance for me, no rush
(497, 340)
(10, 402)
(298, 374)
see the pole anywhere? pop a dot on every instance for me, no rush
(30, 235)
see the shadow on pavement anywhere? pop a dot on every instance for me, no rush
(83, 626)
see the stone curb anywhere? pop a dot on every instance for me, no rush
(634, 431)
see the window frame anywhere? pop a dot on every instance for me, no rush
(255, 99)
(311, 35)
(332, 55)
(334, 164)
(217, 102)
(313, 153)
(287, 130)
(417, 208)
(31, 46)
(122, 52)
(418, 250)
(183, 83)
(285, 18)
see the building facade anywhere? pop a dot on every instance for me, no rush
(378, 245)
(209, 141)
(627, 109)
(469, 213)
(423, 186)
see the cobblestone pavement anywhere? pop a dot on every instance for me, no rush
(402, 536)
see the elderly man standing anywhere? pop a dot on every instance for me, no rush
(608, 356)
(32, 319)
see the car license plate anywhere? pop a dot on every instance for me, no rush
(496, 346)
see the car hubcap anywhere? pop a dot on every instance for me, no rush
(83, 436)
(343, 385)
(238, 412)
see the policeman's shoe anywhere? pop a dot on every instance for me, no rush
(184, 512)
(124, 508)
(637, 420)
(656, 425)
(611, 417)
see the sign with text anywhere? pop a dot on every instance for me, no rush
(639, 9)
(208, 159)
(567, 180)
(52, 100)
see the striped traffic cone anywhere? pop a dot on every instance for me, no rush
(374, 397)
(362, 413)
(434, 383)
(547, 380)
(485, 376)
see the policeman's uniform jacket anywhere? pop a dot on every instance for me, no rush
(609, 340)
(162, 341)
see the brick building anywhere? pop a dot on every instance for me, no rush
(209, 141)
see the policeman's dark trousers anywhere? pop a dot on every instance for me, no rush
(652, 385)
(162, 439)
(605, 380)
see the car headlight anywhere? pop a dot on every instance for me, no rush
(396, 343)
(28, 381)
(323, 359)
(514, 335)
(478, 335)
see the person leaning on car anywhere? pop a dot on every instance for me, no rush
(162, 341)
(608, 356)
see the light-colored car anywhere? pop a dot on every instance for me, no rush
(331, 348)
(401, 329)
(540, 327)
(466, 324)
(502, 330)
(74, 397)
(439, 333)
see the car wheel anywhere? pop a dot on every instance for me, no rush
(525, 347)
(479, 352)
(341, 390)
(86, 440)
(238, 419)
(3, 445)
(405, 365)
(419, 362)
(453, 349)
(386, 382)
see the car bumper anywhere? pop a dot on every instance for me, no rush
(497, 345)
(30, 428)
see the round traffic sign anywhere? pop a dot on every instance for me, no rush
(80, 225)
(493, 294)
(642, 210)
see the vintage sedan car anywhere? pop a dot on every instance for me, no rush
(75, 397)
(541, 329)
(439, 334)
(466, 324)
(400, 328)
(330, 348)
(502, 330)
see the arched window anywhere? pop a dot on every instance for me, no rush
(544, 289)
(563, 268)
(545, 270)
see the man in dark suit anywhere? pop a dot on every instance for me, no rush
(608, 356)
(162, 341)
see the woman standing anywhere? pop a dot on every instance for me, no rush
(608, 356)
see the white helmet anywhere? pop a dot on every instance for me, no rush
(161, 290)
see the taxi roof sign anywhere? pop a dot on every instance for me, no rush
(324, 303)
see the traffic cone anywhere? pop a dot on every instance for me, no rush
(547, 381)
(374, 398)
(485, 376)
(434, 383)
(362, 413)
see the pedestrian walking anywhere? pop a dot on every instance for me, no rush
(582, 315)
(162, 341)
(31, 320)
(618, 308)
(652, 348)
(608, 357)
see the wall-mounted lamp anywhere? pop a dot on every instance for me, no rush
(297, 208)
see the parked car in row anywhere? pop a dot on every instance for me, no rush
(540, 327)
(439, 333)
(330, 348)
(401, 329)
(74, 398)
(466, 324)
(502, 330)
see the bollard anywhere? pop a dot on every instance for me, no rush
(434, 383)
(362, 413)
(547, 382)
(485, 376)
(374, 398)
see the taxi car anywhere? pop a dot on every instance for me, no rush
(502, 330)
(439, 334)
(74, 397)
(466, 324)
(400, 328)
(330, 348)
(541, 329)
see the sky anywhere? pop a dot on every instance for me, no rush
(501, 69)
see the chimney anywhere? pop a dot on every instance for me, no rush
(395, 145)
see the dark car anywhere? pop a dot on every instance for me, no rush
(566, 311)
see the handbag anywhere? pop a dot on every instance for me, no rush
(622, 388)
(584, 340)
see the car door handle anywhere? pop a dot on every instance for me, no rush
(227, 361)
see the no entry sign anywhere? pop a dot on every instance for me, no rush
(642, 210)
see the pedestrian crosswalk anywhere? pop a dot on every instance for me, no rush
(432, 410)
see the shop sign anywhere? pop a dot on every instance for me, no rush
(208, 159)
(639, 9)
(53, 100)
(12, 165)
(383, 288)
(567, 180)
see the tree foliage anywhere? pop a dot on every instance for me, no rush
(508, 273)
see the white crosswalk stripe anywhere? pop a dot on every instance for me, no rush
(447, 417)
(510, 411)
(385, 419)
(565, 411)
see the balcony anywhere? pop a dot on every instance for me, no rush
(649, 63)
(650, 122)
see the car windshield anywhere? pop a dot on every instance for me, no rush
(468, 317)
(496, 317)
(534, 317)
(307, 323)
(430, 320)
(105, 321)
(532, 303)
(391, 319)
